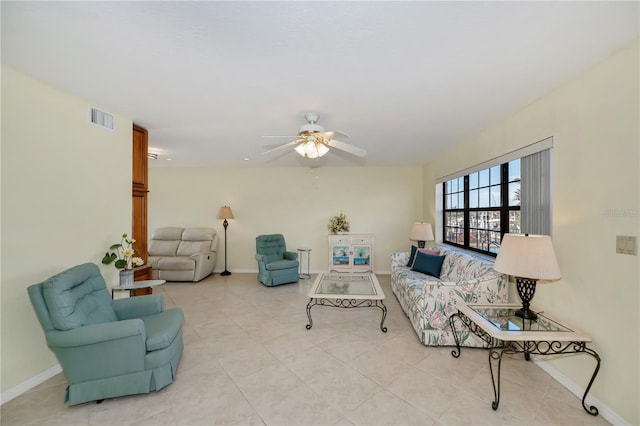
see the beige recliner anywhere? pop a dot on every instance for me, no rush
(183, 254)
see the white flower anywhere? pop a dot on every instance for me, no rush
(122, 254)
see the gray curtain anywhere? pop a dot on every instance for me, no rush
(535, 193)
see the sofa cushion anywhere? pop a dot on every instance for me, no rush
(168, 233)
(187, 248)
(428, 264)
(78, 297)
(434, 252)
(176, 264)
(412, 256)
(198, 234)
(163, 248)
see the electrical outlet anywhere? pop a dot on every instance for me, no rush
(626, 244)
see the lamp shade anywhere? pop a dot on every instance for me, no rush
(527, 256)
(225, 213)
(421, 231)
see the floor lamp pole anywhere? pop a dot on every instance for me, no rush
(225, 272)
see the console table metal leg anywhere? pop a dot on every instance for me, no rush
(456, 352)
(495, 354)
(590, 408)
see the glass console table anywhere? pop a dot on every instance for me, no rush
(505, 333)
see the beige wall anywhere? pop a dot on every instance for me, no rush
(594, 121)
(66, 196)
(296, 202)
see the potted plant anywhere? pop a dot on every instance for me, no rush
(338, 224)
(122, 254)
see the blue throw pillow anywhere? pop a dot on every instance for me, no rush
(412, 256)
(428, 264)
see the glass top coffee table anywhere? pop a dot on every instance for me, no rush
(504, 332)
(346, 290)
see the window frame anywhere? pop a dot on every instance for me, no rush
(504, 209)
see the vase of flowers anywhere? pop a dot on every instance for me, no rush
(338, 224)
(123, 257)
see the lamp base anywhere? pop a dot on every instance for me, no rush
(421, 244)
(526, 314)
(526, 288)
(225, 273)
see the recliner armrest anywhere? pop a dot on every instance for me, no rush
(96, 333)
(289, 255)
(261, 258)
(140, 306)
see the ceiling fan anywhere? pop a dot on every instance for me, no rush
(313, 142)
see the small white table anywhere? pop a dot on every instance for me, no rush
(138, 285)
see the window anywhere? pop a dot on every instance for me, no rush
(482, 206)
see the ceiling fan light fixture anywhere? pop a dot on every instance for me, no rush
(312, 149)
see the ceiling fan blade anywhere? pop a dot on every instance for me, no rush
(347, 148)
(286, 145)
(329, 135)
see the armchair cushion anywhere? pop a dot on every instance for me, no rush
(281, 264)
(76, 297)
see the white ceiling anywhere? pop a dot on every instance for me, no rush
(405, 79)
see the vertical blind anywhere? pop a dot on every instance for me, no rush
(535, 193)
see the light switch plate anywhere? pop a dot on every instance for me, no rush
(626, 244)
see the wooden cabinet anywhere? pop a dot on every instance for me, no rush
(139, 192)
(351, 253)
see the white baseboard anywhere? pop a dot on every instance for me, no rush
(606, 412)
(31, 383)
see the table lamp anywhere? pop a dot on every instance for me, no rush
(225, 213)
(528, 258)
(421, 232)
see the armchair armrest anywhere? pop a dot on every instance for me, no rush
(261, 258)
(289, 255)
(97, 333)
(137, 307)
(103, 350)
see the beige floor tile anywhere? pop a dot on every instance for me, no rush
(249, 360)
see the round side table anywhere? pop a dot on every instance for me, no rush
(301, 251)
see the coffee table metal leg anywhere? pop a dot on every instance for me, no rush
(384, 315)
(309, 305)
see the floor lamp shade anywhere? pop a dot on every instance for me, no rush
(421, 232)
(528, 258)
(225, 213)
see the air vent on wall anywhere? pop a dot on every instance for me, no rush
(101, 118)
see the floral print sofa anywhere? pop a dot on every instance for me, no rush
(429, 301)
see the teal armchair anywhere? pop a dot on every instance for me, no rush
(276, 265)
(107, 348)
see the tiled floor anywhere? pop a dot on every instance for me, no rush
(248, 360)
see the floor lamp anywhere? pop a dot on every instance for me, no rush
(225, 213)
